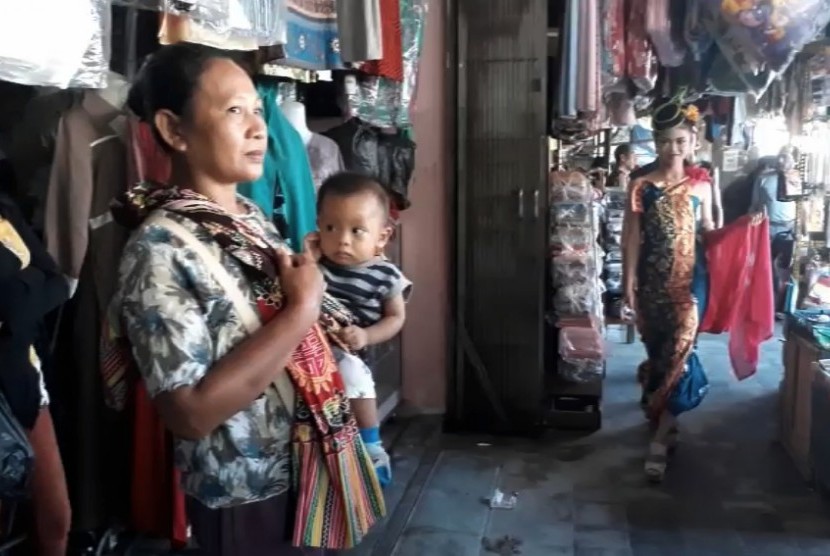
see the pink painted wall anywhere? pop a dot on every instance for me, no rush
(425, 232)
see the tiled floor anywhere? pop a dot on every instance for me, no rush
(730, 491)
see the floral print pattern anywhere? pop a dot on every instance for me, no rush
(180, 323)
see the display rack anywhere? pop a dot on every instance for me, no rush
(576, 309)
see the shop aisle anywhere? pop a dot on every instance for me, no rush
(731, 491)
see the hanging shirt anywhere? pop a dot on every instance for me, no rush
(781, 214)
(286, 169)
(390, 65)
(740, 291)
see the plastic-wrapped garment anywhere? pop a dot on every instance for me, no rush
(571, 238)
(574, 267)
(581, 343)
(697, 35)
(232, 21)
(178, 28)
(642, 66)
(396, 159)
(389, 158)
(571, 214)
(384, 102)
(29, 35)
(659, 28)
(613, 45)
(312, 35)
(570, 186)
(390, 65)
(577, 299)
(772, 32)
(725, 78)
(581, 371)
(582, 351)
(96, 61)
(613, 278)
(740, 292)
(361, 32)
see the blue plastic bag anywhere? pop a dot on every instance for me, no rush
(691, 389)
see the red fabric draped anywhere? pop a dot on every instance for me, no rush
(740, 291)
(158, 504)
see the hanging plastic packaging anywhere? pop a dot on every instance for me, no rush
(763, 35)
(613, 46)
(659, 28)
(95, 64)
(233, 22)
(52, 43)
(642, 65)
(384, 102)
(697, 35)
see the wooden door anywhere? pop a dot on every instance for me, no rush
(502, 208)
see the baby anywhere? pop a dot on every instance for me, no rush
(353, 219)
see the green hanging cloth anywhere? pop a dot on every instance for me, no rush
(286, 170)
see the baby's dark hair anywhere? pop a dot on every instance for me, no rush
(168, 79)
(347, 184)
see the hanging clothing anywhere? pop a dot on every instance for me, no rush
(30, 287)
(741, 300)
(287, 170)
(89, 169)
(157, 501)
(781, 214)
(361, 30)
(642, 66)
(588, 63)
(389, 158)
(386, 102)
(568, 79)
(312, 38)
(33, 147)
(671, 287)
(390, 65)
(325, 158)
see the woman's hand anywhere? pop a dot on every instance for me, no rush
(355, 337)
(629, 303)
(757, 218)
(301, 280)
(311, 245)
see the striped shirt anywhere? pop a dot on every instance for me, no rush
(364, 289)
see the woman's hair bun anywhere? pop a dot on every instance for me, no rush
(136, 99)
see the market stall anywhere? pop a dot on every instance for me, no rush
(756, 93)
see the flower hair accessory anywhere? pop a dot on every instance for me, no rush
(691, 114)
(673, 113)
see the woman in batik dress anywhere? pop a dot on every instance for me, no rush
(665, 279)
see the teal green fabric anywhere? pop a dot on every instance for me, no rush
(287, 169)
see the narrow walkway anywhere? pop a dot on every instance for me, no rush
(731, 490)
